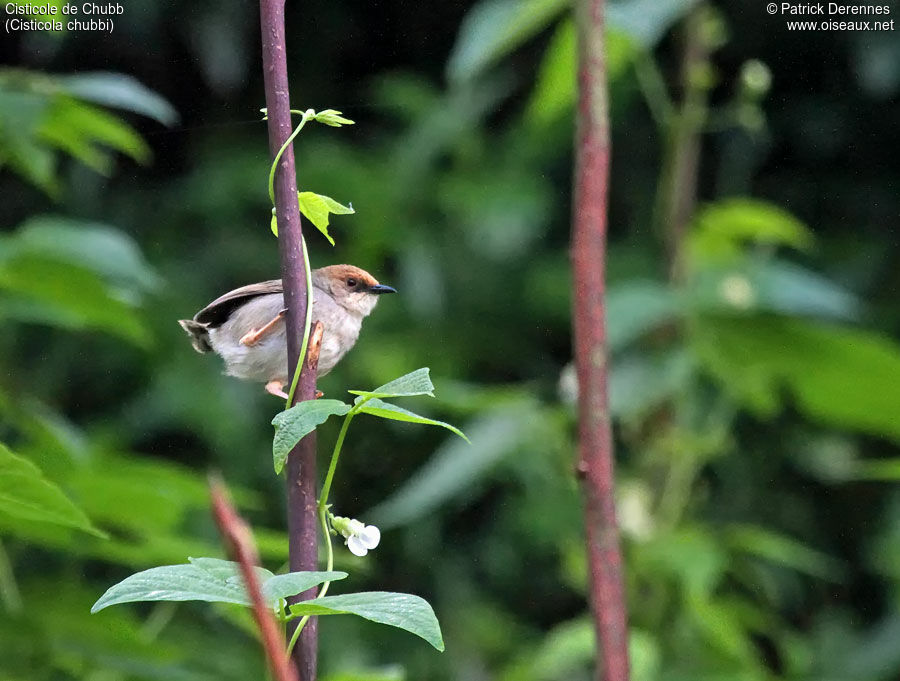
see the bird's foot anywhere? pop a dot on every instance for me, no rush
(276, 388)
(253, 336)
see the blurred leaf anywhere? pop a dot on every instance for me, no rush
(293, 424)
(721, 624)
(47, 291)
(316, 209)
(771, 285)
(784, 550)
(416, 382)
(207, 579)
(493, 28)
(721, 229)
(389, 674)
(405, 611)
(41, 114)
(640, 382)
(554, 89)
(646, 21)
(107, 251)
(386, 410)
(26, 494)
(119, 91)
(456, 465)
(567, 648)
(501, 211)
(842, 377)
(690, 554)
(645, 656)
(20, 114)
(83, 130)
(637, 307)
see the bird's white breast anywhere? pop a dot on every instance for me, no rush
(267, 360)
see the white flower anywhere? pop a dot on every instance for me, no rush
(359, 538)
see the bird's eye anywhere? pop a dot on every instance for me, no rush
(351, 282)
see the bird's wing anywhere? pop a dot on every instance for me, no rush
(219, 310)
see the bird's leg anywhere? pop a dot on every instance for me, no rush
(276, 388)
(253, 336)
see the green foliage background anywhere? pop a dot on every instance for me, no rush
(756, 392)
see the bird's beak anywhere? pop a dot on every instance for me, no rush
(378, 289)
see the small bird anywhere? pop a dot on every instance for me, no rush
(245, 327)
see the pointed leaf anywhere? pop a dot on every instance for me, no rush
(119, 91)
(316, 208)
(293, 424)
(784, 550)
(208, 579)
(25, 494)
(493, 28)
(386, 410)
(721, 229)
(332, 118)
(293, 583)
(416, 382)
(403, 611)
(203, 579)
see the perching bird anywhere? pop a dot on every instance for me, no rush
(245, 327)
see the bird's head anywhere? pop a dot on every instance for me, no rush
(351, 287)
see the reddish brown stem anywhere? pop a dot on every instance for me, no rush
(595, 455)
(301, 463)
(239, 544)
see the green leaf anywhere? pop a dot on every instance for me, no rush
(394, 673)
(641, 381)
(119, 91)
(721, 229)
(386, 410)
(332, 118)
(107, 251)
(83, 131)
(293, 583)
(637, 307)
(783, 550)
(554, 90)
(773, 285)
(293, 424)
(416, 382)
(207, 579)
(646, 21)
(316, 208)
(25, 494)
(44, 290)
(493, 28)
(842, 377)
(455, 466)
(404, 611)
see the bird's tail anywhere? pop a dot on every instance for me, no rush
(199, 334)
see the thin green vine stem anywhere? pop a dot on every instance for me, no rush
(335, 455)
(296, 635)
(322, 508)
(307, 115)
(306, 326)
